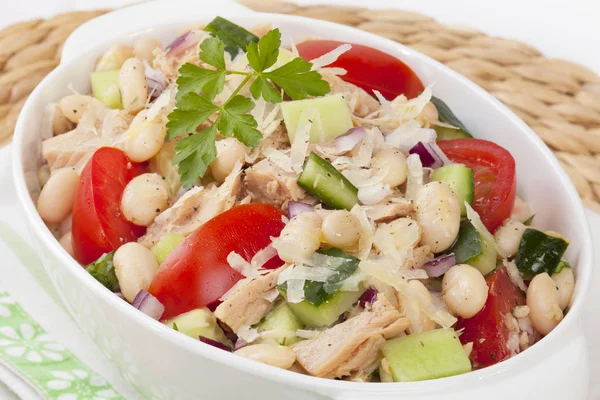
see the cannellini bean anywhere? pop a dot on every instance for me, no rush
(229, 151)
(143, 49)
(508, 237)
(135, 266)
(43, 174)
(419, 321)
(438, 214)
(66, 225)
(60, 123)
(464, 290)
(56, 198)
(74, 106)
(143, 138)
(271, 354)
(114, 58)
(391, 164)
(543, 300)
(565, 282)
(521, 211)
(300, 238)
(66, 241)
(144, 197)
(133, 86)
(341, 229)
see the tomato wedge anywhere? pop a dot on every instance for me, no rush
(98, 226)
(197, 273)
(487, 330)
(368, 68)
(495, 177)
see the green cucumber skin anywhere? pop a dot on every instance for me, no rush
(473, 249)
(232, 35)
(328, 312)
(461, 180)
(446, 115)
(322, 180)
(281, 317)
(445, 133)
(426, 355)
(539, 252)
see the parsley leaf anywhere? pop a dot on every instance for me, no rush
(194, 154)
(213, 53)
(262, 87)
(233, 36)
(264, 54)
(192, 110)
(195, 79)
(235, 120)
(297, 80)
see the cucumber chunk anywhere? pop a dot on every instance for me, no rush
(165, 246)
(445, 133)
(427, 355)
(539, 252)
(106, 89)
(446, 115)
(199, 322)
(472, 248)
(281, 318)
(328, 312)
(334, 117)
(461, 180)
(322, 180)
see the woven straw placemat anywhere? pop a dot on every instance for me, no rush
(559, 99)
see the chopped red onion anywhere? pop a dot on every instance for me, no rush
(430, 154)
(239, 343)
(155, 80)
(297, 207)
(184, 42)
(214, 343)
(148, 304)
(369, 296)
(439, 265)
(348, 140)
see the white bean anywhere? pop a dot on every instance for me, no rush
(229, 151)
(341, 229)
(543, 299)
(74, 106)
(438, 214)
(144, 197)
(66, 241)
(60, 123)
(143, 138)
(43, 174)
(464, 290)
(133, 86)
(271, 354)
(508, 237)
(300, 238)
(114, 58)
(56, 198)
(391, 164)
(521, 211)
(565, 282)
(143, 49)
(419, 321)
(135, 266)
(66, 225)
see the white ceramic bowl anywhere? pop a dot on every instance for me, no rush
(163, 364)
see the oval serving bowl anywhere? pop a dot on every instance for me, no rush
(163, 364)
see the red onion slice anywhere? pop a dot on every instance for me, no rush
(369, 296)
(430, 154)
(297, 207)
(239, 343)
(348, 140)
(439, 265)
(155, 80)
(214, 343)
(184, 42)
(148, 304)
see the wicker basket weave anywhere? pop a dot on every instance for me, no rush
(559, 99)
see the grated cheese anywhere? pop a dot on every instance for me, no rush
(474, 218)
(271, 296)
(262, 257)
(295, 290)
(248, 334)
(365, 241)
(330, 57)
(373, 194)
(515, 275)
(414, 181)
(308, 334)
(301, 140)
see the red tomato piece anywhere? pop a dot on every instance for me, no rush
(495, 177)
(368, 68)
(197, 273)
(487, 330)
(98, 226)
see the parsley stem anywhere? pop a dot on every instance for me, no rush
(237, 90)
(239, 73)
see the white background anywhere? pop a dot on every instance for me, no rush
(559, 28)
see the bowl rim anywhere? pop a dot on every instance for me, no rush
(509, 367)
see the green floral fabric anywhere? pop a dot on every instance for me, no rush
(46, 364)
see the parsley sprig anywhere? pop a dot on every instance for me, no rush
(198, 87)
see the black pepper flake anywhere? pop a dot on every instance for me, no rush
(422, 344)
(492, 356)
(158, 210)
